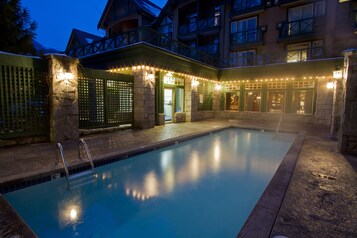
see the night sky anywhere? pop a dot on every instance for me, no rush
(55, 19)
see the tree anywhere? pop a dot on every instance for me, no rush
(17, 30)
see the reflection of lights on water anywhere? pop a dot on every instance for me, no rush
(106, 175)
(169, 179)
(73, 214)
(217, 157)
(151, 184)
(136, 194)
(166, 159)
(194, 166)
(217, 152)
(70, 212)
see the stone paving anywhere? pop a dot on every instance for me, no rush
(321, 199)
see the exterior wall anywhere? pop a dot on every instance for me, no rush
(144, 100)
(265, 116)
(348, 133)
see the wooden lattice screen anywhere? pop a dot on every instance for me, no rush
(23, 102)
(104, 99)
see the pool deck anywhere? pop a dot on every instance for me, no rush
(319, 199)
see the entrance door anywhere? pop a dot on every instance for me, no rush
(168, 103)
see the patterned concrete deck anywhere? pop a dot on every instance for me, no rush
(321, 198)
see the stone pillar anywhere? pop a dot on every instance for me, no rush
(144, 98)
(324, 103)
(64, 120)
(216, 101)
(336, 109)
(348, 131)
(191, 100)
(188, 99)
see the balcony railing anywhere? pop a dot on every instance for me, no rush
(290, 56)
(201, 26)
(147, 35)
(298, 27)
(244, 5)
(211, 49)
(245, 37)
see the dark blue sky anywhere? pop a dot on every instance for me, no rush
(56, 19)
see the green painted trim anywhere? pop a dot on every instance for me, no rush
(24, 61)
(285, 70)
(146, 54)
(95, 73)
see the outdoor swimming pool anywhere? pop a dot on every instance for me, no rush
(205, 187)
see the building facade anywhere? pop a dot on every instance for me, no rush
(229, 59)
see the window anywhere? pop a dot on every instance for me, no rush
(192, 22)
(302, 101)
(304, 51)
(242, 58)
(320, 9)
(244, 31)
(301, 19)
(240, 5)
(166, 27)
(179, 99)
(252, 101)
(232, 101)
(217, 15)
(276, 101)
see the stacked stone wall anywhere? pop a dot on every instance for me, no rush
(64, 123)
(348, 134)
(324, 103)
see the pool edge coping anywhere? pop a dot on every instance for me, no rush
(262, 218)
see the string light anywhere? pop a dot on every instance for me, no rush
(148, 67)
(195, 77)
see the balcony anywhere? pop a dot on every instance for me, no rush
(292, 56)
(149, 36)
(211, 49)
(204, 25)
(240, 7)
(302, 27)
(248, 37)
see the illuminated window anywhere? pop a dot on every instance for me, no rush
(276, 85)
(304, 51)
(252, 101)
(232, 101)
(276, 101)
(303, 101)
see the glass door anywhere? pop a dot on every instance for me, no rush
(168, 103)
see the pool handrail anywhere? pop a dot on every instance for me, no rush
(60, 149)
(89, 156)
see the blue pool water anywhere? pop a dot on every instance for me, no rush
(205, 187)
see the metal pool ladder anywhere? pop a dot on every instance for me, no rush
(277, 135)
(79, 179)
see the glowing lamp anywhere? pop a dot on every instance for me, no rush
(337, 74)
(330, 85)
(195, 83)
